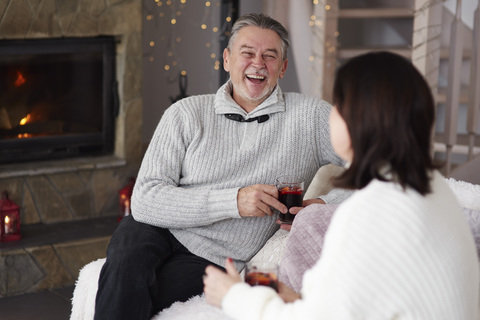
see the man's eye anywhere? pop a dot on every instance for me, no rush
(269, 57)
(247, 54)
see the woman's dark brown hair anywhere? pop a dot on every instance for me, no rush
(389, 111)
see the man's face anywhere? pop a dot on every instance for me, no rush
(255, 64)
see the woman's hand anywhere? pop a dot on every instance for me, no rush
(217, 283)
(295, 210)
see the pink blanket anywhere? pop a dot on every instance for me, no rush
(304, 243)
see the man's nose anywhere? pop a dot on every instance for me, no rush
(258, 60)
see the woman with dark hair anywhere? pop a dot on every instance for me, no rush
(399, 247)
(390, 113)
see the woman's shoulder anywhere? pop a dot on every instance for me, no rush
(375, 192)
(381, 202)
(389, 201)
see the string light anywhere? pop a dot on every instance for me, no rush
(322, 60)
(174, 10)
(168, 41)
(172, 13)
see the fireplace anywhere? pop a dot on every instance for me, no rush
(62, 196)
(58, 98)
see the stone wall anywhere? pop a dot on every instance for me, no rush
(74, 191)
(39, 268)
(81, 188)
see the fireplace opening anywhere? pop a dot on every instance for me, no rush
(58, 98)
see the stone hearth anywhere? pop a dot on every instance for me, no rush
(69, 207)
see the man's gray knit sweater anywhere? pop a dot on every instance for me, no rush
(198, 159)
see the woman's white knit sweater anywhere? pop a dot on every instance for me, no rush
(388, 254)
(198, 160)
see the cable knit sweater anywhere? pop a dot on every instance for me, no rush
(198, 159)
(388, 254)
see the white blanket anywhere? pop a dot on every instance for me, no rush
(83, 301)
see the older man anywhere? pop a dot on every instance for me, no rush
(205, 189)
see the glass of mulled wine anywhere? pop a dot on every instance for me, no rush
(262, 273)
(290, 193)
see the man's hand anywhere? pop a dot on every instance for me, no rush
(257, 200)
(217, 283)
(295, 210)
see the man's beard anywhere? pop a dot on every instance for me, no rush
(242, 91)
(258, 97)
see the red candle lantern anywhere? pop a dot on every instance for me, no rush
(9, 219)
(124, 197)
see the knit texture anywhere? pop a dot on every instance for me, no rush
(198, 160)
(388, 254)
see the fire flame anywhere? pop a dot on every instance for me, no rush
(25, 120)
(7, 220)
(20, 79)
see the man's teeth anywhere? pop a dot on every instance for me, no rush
(254, 76)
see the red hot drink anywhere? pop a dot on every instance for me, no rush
(262, 279)
(290, 197)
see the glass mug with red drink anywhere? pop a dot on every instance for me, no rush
(262, 273)
(290, 193)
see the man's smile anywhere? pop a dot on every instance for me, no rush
(256, 78)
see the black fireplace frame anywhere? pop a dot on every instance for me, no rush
(72, 145)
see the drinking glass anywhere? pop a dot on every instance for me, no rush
(262, 273)
(290, 193)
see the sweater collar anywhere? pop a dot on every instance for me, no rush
(224, 103)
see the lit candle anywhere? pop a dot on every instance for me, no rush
(8, 227)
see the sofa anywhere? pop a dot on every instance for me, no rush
(295, 251)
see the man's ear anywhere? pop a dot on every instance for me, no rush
(226, 59)
(284, 68)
